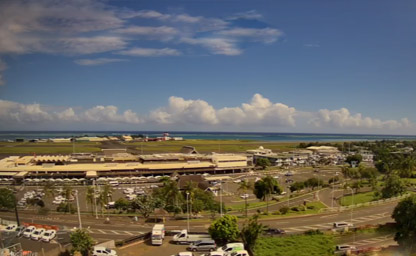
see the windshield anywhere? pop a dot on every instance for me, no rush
(224, 247)
(107, 250)
(28, 230)
(47, 234)
(156, 237)
(36, 232)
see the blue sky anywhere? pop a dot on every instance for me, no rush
(277, 66)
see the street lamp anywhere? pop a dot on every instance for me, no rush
(352, 209)
(187, 208)
(79, 214)
(221, 197)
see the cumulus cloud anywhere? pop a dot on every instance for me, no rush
(110, 114)
(342, 118)
(150, 52)
(249, 15)
(21, 113)
(260, 111)
(95, 62)
(18, 113)
(182, 111)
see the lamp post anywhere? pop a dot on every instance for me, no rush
(187, 208)
(221, 197)
(352, 209)
(79, 214)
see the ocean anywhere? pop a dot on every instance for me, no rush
(257, 136)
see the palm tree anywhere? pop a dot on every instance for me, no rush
(105, 194)
(244, 186)
(190, 188)
(90, 197)
(48, 189)
(171, 193)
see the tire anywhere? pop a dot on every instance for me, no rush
(211, 249)
(194, 250)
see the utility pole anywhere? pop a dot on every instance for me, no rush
(187, 208)
(79, 214)
(221, 197)
(16, 213)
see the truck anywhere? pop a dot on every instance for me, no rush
(158, 234)
(186, 238)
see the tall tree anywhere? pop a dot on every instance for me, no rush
(7, 199)
(49, 189)
(146, 205)
(263, 163)
(265, 187)
(244, 187)
(393, 186)
(405, 216)
(81, 242)
(224, 229)
(251, 232)
(89, 197)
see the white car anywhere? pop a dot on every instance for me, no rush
(49, 235)
(37, 234)
(102, 251)
(28, 231)
(276, 177)
(237, 181)
(131, 197)
(244, 196)
(128, 191)
(57, 201)
(344, 248)
(11, 228)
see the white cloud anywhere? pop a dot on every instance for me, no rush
(109, 114)
(94, 62)
(260, 114)
(342, 118)
(222, 46)
(150, 52)
(156, 33)
(31, 26)
(87, 45)
(183, 111)
(260, 111)
(11, 112)
(266, 35)
(149, 14)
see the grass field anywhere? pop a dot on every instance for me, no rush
(203, 146)
(208, 146)
(48, 147)
(295, 245)
(358, 198)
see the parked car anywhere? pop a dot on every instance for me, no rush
(244, 196)
(344, 248)
(289, 174)
(19, 231)
(28, 231)
(203, 245)
(240, 253)
(102, 251)
(237, 181)
(342, 224)
(231, 247)
(11, 228)
(274, 231)
(49, 235)
(37, 234)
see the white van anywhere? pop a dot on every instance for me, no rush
(342, 225)
(231, 247)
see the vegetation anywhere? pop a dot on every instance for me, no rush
(263, 163)
(146, 205)
(224, 229)
(394, 186)
(244, 187)
(295, 245)
(7, 199)
(354, 160)
(251, 232)
(81, 242)
(359, 198)
(265, 187)
(405, 216)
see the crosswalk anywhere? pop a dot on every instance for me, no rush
(373, 240)
(114, 232)
(329, 225)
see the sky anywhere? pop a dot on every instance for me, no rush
(196, 65)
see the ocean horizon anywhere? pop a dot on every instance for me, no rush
(255, 136)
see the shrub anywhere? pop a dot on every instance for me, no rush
(284, 210)
(313, 232)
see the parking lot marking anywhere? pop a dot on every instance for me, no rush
(128, 233)
(115, 232)
(101, 231)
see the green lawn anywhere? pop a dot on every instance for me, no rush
(208, 146)
(358, 198)
(295, 245)
(46, 150)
